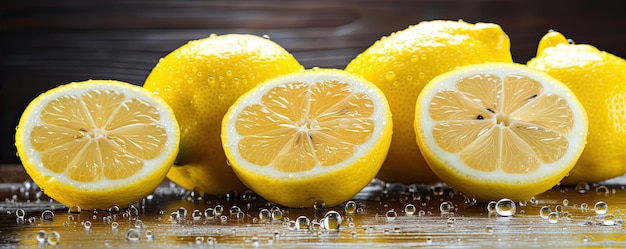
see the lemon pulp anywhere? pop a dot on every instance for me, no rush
(98, 143)
(499, 130)
(310, 136)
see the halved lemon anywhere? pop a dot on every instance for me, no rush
(499, 130)
(97, 144)
(314, 136)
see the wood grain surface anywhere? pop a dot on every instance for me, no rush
(44, 43)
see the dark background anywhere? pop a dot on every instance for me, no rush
(48, 43)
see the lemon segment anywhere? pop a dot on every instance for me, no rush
(598, 79)
(318, 135)
(402, 63)
(97, 144)
(200, 80)
(499, 130)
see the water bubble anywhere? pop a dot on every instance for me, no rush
(533, 200)
(223, 218)
(584, 207)
(421, 213)
(491, 207)
(211, 81)
(209, 214)
(107, 242)
(218, 210)
(602, 190)
(391, 215)
(114, 225)
(149, 234)
(601, 207)
(211, 241)
(565, 202)
(505, 207)
(74, 210)
(138, 224)
(133, 235)
(332, 221)
(489, 229)
(390, 76)
(558, 209)
(87, 225)
(114, 210)
(20, 213)
(234, 210)
(446, 207)
(291, 225)
(277, 214)
(133, 211)
(54, 238)
(319, 205)
(350, 207)
(302, 223)
(582, 187)
(608, 220)
(41, 236)
(265, 215)
(553, 217)
(409, 209)
(196, 214)
(544, 212)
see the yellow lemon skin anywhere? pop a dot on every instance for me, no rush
(404, 62)
(200, 80)
(83, 195)
(598, 79)
(330, 187)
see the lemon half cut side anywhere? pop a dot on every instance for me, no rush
(98, 143)
(314, 136)
(498, 130)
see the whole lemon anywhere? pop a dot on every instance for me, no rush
(200, 81)
(598, 79)
(402, 63)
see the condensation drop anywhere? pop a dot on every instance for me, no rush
(410, 209)
(544, 212)
(332, 221)
(491, 207)
(41, 236)
(608, 220)
(133, 235)
(350, 207)
(505, 207)
(54, 238)
(553, 217)
(391, 215)
(601, 207)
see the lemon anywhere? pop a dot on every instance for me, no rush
(599, 80)
(310, 137)
(499, 130)
(402, 63)
(200, 80)
(97, 144)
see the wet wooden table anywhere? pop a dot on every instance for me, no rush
(382, 215)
